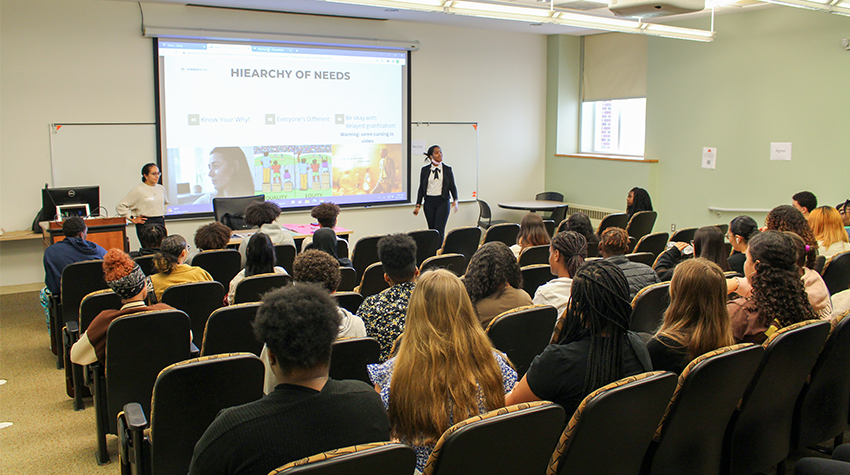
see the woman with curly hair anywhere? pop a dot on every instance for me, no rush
(637, 200)
(566, 254)
(778, 297)
(494, 281)
(828, 229)
(170, 267)
(210, 237)
(594, 347)
(580, 223)
(532, 232)
(445, 369)
(789, 218)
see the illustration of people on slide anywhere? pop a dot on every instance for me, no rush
(266, 162)
(304, 171)
(314, 171)
(367, 180)
(276, 175)
(287, 180)
(386, 175)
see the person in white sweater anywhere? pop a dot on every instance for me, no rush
(146, 202)
(566, 254)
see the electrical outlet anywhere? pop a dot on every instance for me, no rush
(673, 228)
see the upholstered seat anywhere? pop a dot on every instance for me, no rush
(428, 242)
(231, 330)
(364, 254)
(462, 240)
(452, 262)
(523, 333)
(198, 300)
(505, 232)
(836, 273)
(534, 276)
(385, 458)
(372, 281)
(641, 224)
(648, 307)
(615, 220)
(252, 288)
(285, 256)
(653, 243)
(348, 300)
(534, 255)
(349, 357)
(222, 264)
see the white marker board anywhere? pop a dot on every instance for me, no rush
(459, 143)
(108, 155)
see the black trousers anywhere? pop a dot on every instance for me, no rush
(437, 213)
(150, 220)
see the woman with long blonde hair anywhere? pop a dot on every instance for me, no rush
(445, 369)
(829, 230)
(696, 321)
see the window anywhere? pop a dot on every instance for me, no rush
(615, 127)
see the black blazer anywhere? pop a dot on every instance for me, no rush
(448, 183)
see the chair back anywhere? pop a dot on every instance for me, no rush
(822, 410)
(348, 300)
(479, 445)
(452, 262)
(138, 347)
(349, 357)
(759, 433)
(485, 215)
(341, 247)
(648, 307)
(187, 397)
(549, 196)
(78, 280)
(534, 276)
(559, 214)
(372, 281)
(285, 256)
(146, 263)
(534, 255)
(96, 302)
(690, 438)
(428, 242)
(641, 224)
(642, 257)
(231, 330)
(653, 243)
(623, 416)
(464, 241)
(222, 264)
(252, 288)
(505, 232)
(724, 228)
(820, 261)
(348, 279)
(365, 253)
(836, 273)
(684, 235)
(615, 220)
(198, 300)
(523, 333)
(385, 458)
(550, 226)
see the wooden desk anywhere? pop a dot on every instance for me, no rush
(108, 232)
(20, 236)
(532, 205)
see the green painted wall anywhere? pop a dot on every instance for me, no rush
(772, 75)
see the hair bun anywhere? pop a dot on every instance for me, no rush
(117, 264)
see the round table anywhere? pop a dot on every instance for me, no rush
(532, 205)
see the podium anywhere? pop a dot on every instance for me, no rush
(108, 232)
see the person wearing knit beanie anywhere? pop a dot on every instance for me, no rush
(127, 280)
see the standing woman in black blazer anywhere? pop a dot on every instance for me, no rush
(436, 183)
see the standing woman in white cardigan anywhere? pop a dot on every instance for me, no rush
(146, 202)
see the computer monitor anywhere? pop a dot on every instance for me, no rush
(59, 203)
(235, 207)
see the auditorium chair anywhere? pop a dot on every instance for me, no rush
(641, 224)
(463, 240)
(285, 256)
(648, 307)
(348, 300)
(510, 440)
(372, 281)
(615, 220)
(684, 235)
(138, 347)
(198, 300)
(559, 213)
(428, 242)
(452, 262)
(187, 397)
(231, 330)
(550, 225)
(252, 288)
(349, 357)
(534, 276)
(613, 426)
(365, 253)
(78, 280)
(485, 215)
(689, 439)
(146, 263)
(222, 264)
(523, 333)
(505, 232)
(758, 436)
(534, 255)
(385, 458)
(642, 257)
(653, 243)
(836, 273)
(341, 247)
(348, 279)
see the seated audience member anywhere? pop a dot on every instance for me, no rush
(637, 200)
(170, 267)
(708, 243)
(308, 412)
(261, 260)
(445, 369)
(74, 248)
(494, 282)
(264, 215)
(613, 247)
(532, 232)
(829, 231)
(594, 348)
(210, 237)
(150, 237)
(566, 254)
(384, 313)
(778, 297)
(696, 321)
(325, 238)
(580, 223)
(741, 230)
(788, 218)
(844, 210)
(317, 267)
(805, 202)
(126, 279)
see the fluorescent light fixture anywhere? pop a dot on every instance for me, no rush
(542, 15)
(837, 7)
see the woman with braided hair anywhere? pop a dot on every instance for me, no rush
(566, 254)
(494, 282)
(789, 218)
(778, 297)
(594, 348)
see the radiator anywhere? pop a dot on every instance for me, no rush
(595, 213)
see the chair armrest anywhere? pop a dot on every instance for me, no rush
(193, 350)
(135, 416)
(72, 328)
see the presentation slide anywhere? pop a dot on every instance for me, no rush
(299, 125)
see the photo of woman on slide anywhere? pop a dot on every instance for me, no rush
(229, 173)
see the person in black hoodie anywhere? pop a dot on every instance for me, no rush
(74, 248)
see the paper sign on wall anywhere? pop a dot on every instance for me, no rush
(417, 148)
(709, 157)
(780, 151)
